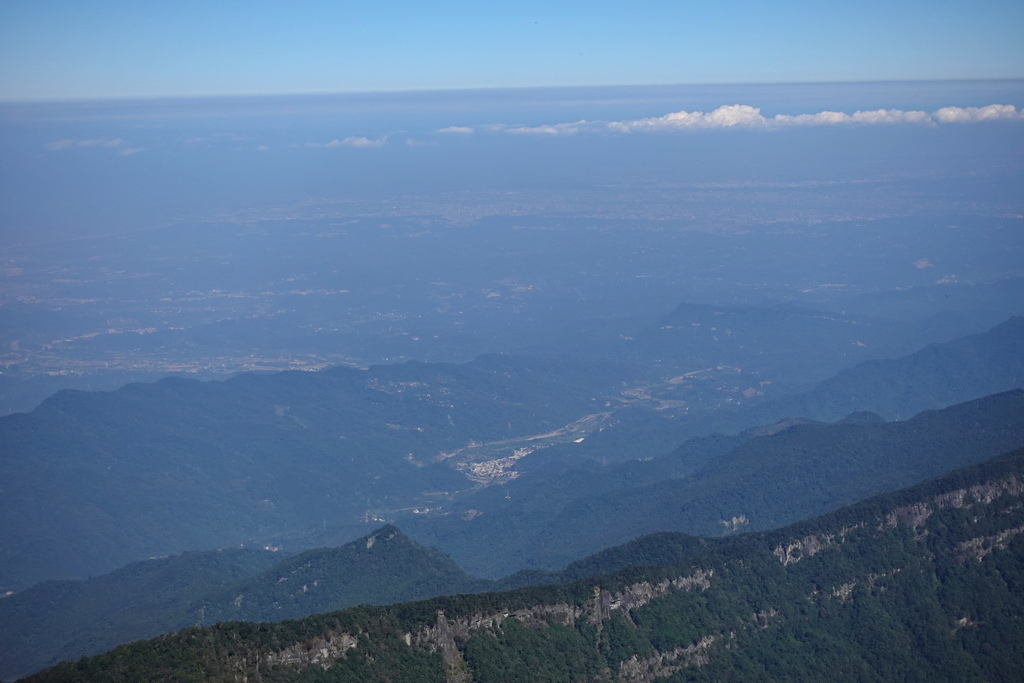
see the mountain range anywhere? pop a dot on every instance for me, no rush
(761, 479)
(919, 584)
(92, 481)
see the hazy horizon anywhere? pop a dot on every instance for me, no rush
(85, 168)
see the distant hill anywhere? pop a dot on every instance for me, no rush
(913, 585)
(91, 481)
(934, 377)
(380, 568)
(64, 620)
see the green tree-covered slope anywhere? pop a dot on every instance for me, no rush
(921, 584)
(380, 568)
(58, 620)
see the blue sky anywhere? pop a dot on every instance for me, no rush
(54, 49)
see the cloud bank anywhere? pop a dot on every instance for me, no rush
(744, 116)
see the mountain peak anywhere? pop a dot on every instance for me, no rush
(862, 417)
(388, 532)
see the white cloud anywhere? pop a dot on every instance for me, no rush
(993, 112)
(749, 117)
(128, 151)
(824, 118)
(734, 115)
(457, 130)
(746, 116)
(728, 116)
(891, 116)
(353, 141)
(838, 118)
(553, 129)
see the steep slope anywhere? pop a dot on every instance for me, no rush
(764, 478)
(915, 585)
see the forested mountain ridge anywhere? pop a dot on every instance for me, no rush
(908, 585)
